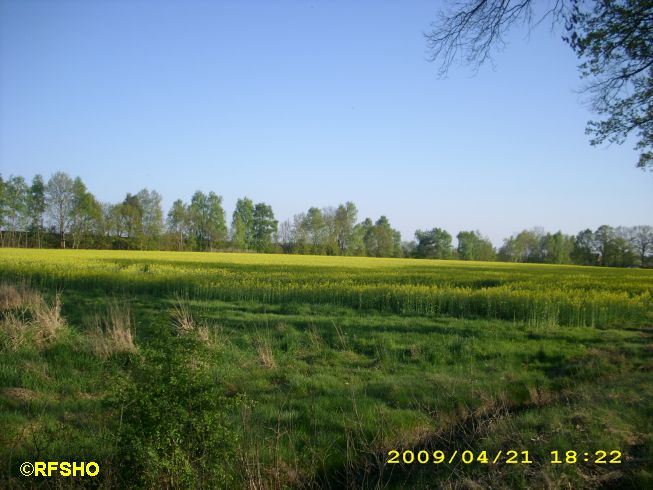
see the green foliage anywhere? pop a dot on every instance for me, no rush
(433, 244)
(539, 294)
(131, 215)
(614, 40)
(315, 226)
(173, 423)
(206, 220)
(607, 246)
(177, 223)
(473, 246)
(264, 227)
(557, 248)
(86, 216)
(242, 225)
(59, 198)
(344, 221)
(525, 247)
(377, 239)
(152, 219)
(37, 207)
(15, 208)
(137, 223)
(338, 378)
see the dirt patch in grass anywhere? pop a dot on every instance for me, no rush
(21, 395)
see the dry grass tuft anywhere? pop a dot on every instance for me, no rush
(415, 352)
(185, 324)
(203, 333)
(112, 333)
(539, 396)
(182, 318)
(26, 316)
(14, 332)
(315, 339)
(48, 320)
(14, 297)
(9, 297)
(265, 356)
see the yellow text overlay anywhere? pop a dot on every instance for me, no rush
(59, 468)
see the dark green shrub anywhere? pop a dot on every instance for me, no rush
(174, 430)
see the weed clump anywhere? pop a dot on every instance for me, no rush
(174, 425)
(265, 355)
(112, 333)
(48, 320)
(10, 297)
(182, 318)
(27, 319)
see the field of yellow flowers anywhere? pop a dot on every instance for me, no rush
(533, 293)
(225, 370)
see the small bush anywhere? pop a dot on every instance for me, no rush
(174, 430)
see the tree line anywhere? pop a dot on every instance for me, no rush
(62, 213)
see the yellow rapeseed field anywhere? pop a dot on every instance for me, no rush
(533, 293)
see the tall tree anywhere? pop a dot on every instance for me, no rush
(474, 246)
(86, 215)
(285, 236)
(604, 237)
(384, 238)
(242, 224)
(3, 210)
(59, 198)
(397, 249)
(151, 219)
(264, 227)
(300, 237)
(114, 225)
(433, 244)
(177, 223)
(207, 220)
(557, 248)
(613, 39)
(16, 199)
(641, 238)
(366, 232)
(524, 247)
(131, 215)
(623, 252)
(345, 220)
(217, 222)
(585, 251)
(329, 232)
(315, 227)
(37, 207)
(198, 215)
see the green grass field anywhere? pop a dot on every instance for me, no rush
(278, 371)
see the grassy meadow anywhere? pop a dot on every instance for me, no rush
(209, 370)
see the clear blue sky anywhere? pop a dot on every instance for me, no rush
(307, 103)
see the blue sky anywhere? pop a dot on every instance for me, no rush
(302, 104)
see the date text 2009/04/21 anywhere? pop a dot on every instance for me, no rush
(500, 457)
